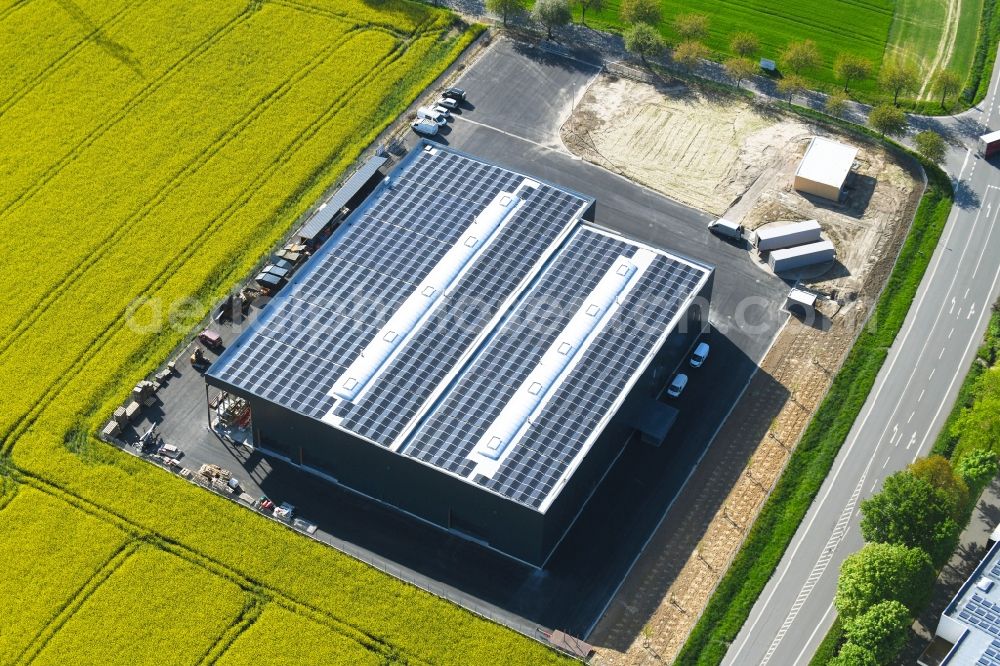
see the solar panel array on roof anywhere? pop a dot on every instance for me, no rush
(435, 388)
(983, 614)
(572, 414)
(991, 656)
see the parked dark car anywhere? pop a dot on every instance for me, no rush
(454, 93)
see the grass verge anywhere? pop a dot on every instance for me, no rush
(811, 461)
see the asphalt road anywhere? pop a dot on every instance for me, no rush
(909, 403)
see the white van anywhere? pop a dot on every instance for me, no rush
(432, 115)
(724, 227)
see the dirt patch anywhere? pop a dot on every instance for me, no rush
(676, 140)
(729, 157)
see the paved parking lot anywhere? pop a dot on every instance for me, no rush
(519, 96)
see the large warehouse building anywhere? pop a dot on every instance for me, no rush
(470, 350)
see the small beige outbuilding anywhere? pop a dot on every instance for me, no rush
(824, 168)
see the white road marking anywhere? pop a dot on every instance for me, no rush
(931, 376)
(839, 530)
(886, 462)
(942, 353)
(822, 621)
(952, 308)
(921, 396)
(950, 332)
(912, 414)
(913, 440)
(966, 295)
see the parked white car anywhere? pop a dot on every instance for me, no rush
(432, 115)
(447, 102)
(677, 385)
(699, 355)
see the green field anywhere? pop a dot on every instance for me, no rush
(879, 30)
(153, 150)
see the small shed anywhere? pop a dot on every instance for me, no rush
(824, 168)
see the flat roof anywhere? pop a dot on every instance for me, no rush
(975, 610)
(466, 317)
(827, 162)
(769, 232)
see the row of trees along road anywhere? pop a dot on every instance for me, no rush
(911, 527)
(644, 38)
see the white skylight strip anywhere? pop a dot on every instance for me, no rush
(557, 361)
(403, 322)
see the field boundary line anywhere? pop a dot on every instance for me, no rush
(10, 438)
(145, 92)
(252, 608)
(76, 601)
(53, 66)
(198, 161)
(145, 535)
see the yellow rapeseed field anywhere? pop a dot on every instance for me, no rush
(155, 149)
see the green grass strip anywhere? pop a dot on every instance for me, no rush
(811, 461)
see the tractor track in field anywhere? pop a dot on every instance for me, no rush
(192, 167)
(144, 93)
(140, 535)
(946, 47)
(66, 56)
(13, 8)
(76, 601)
(10, 438)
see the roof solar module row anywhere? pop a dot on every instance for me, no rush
(478, 271)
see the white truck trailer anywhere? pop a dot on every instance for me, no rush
(989, 144)
(790, 258)
(786, 235)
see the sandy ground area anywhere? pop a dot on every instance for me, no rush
(728, 157)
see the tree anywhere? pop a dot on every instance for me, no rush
(853, 655)
(791, 85)
(897, 78)
(909, 511)
(800, 56)
(640, 11)
(937, 471)
(930, 145)
(687, 54)
(690, 27)
(740, 68)
(744, 44)
(978, 426)
(596, 5)
(644, 40)
(883, 572)
(505, 8)
(977, 468)
(887, 119)
(882, 630)
(946, 83)
(851, 68)
(836, 104)
(552, 14)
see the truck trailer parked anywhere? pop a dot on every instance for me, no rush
(787, 259)
(989, 144)
(786, 235)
